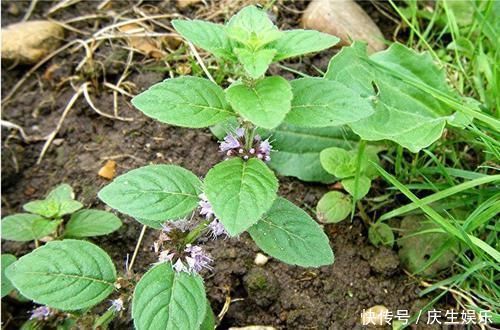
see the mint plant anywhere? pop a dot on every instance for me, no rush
(239, 194)
(57, 216)
(64, 274)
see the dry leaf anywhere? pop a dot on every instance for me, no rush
(148, 46)
(108, 171)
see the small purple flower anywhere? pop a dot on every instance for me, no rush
(198, 259)
(217, 229)
(240, 132)
(117, 305)
(205, 207)
(265, 148)
(230, 142)
(41, 313)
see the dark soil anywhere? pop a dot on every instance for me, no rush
(291, 298)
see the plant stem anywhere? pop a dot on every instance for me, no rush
(361, 150)
(196, 232)
(136, 250)
(249, 134)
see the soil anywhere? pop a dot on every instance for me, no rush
(275, 294)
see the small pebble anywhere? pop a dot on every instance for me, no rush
(261, 259)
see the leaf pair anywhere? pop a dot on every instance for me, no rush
(343, 164)
(243, 197)
(239, 192)
(308, 102)
(60, 201)
(251, 38)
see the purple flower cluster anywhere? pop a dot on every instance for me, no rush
(41, 313)
(234, 145)
(194, 260)
(197, 258)
(191, 260)
(216, 227)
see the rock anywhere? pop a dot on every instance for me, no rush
(385, 261)
(375, 315)
(185, 3)
(344, 19)
(29, 42)
(260, 259)
(262, 286)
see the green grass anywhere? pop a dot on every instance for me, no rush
(454, 183)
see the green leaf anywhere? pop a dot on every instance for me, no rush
(333, 207)
(299, 42)
(381, 234)
(322, 103)
(289, 234)
(25, 227)
(154, 192)
(184, 101)
(7, 260)
(240, 192)
(151, 223)
(46, 208)
(404, 114)
(62, 192)
(209, 321)
(252, 27)
(364, 185)
(67, 275)
(343, 163)
(265, 104)
(59, 201)
(255, 62)
(88, 223)
(209, 36)
(297, 150)
(165, 299)
(338, 161)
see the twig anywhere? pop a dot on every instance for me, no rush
(200, 62)
(118, 89)
(136, 250)
(30, 10)
(25, 137)
(62, 4)
(89, 101)
(52, 135)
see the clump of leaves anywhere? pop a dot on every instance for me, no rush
(57, 216)
(236, 195)
(354, 168)
(65, 274)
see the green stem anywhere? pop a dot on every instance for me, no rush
(361, 150)
(249, 134)
(196, 232)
